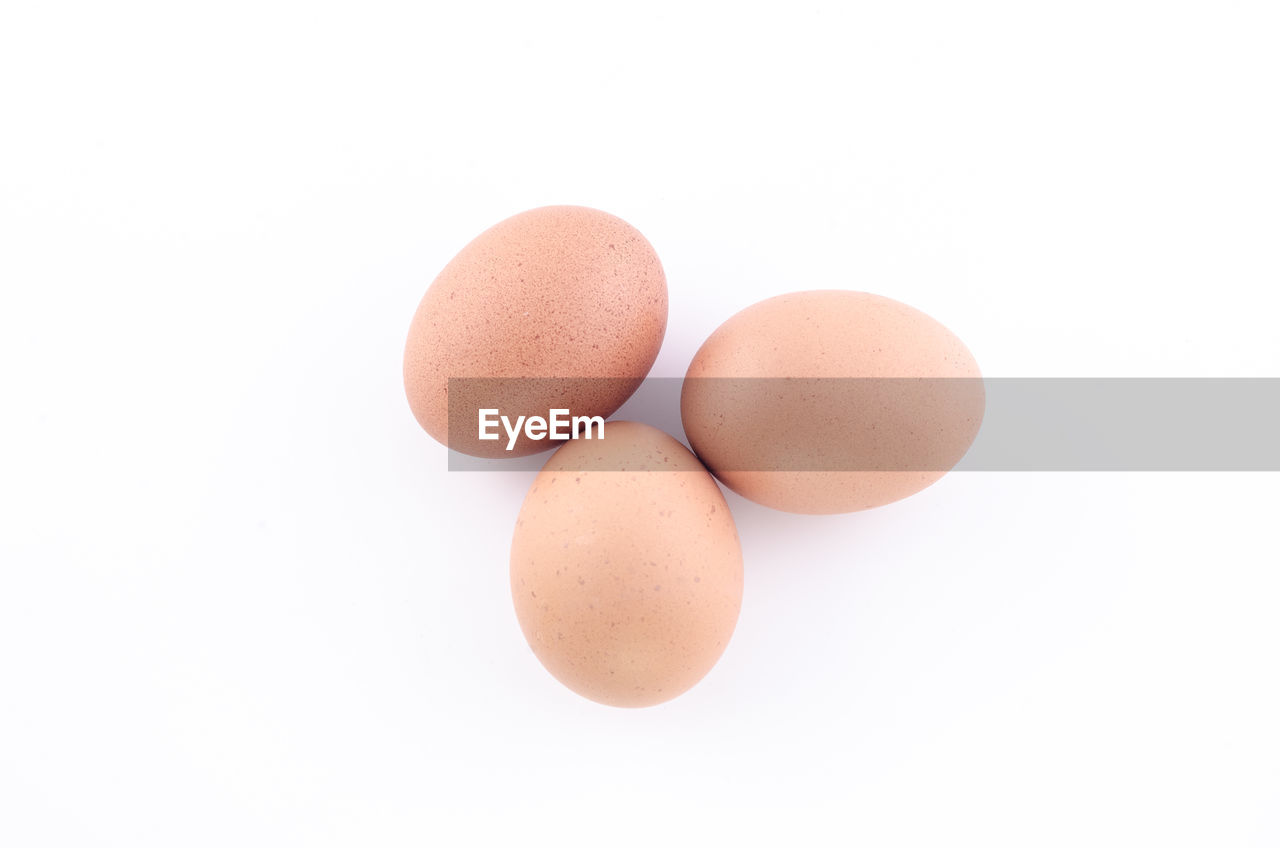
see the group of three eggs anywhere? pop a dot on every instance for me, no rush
(626, 569)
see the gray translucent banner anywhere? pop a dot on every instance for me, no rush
(913, 425)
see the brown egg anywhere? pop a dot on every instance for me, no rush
(625, 567)
(831, 401)
(557, 307)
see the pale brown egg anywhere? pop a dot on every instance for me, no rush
(626, 570)
(831, 401)
(557, 307)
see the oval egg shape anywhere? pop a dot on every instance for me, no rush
(831, 401)
(626, 571)
(556, 307)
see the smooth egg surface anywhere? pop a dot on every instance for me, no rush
(557, 307)
(626, 572)
(831, 401)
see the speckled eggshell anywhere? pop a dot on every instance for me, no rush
(626, 570)
(810, 444)
(555, 292)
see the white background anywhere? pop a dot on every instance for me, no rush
(243, 603)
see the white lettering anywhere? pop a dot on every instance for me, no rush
(485, 423)
(557, 423)
(585, 422)
(512, 432)
(559, 427)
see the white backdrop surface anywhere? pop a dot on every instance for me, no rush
(243, 602)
